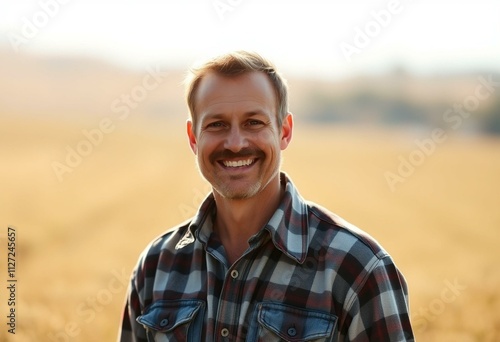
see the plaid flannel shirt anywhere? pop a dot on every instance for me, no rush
(307, 275)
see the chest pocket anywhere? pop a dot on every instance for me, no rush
(280, 322)
(174, 320)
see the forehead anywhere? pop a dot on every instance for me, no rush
(218, 92)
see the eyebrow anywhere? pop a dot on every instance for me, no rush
(221, 115)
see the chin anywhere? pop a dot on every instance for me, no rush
(239, 194)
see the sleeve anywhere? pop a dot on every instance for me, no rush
(379, 310)
(131, 330)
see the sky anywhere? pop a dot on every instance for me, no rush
(324, 38)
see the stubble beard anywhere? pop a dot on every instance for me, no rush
(225, 190)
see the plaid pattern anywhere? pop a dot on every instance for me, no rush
(307, 275)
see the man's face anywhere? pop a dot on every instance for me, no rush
(237, 139)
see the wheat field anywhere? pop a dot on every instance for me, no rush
(79, 235)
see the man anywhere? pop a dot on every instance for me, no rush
(258, 262)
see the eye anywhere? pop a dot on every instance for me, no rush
(255, 123)
(215, 125)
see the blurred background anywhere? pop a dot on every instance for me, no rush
(397, 110)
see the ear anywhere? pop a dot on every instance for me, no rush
(286, 131)
(192, 136)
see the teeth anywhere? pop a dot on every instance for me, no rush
(231, 163)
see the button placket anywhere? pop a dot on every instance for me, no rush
(224, 332)
(228, 313)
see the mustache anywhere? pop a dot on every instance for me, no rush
(244, 153)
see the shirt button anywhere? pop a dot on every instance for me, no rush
(224, 332)
(164, 322)
(292, 331)
(234, 274)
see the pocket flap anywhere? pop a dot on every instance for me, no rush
(165, 315)
(296, 324)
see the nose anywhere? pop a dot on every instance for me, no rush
(235, 139)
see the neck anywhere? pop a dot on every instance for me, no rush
(238, 220)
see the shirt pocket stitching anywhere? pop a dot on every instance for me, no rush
(295, 324)
(164, 316)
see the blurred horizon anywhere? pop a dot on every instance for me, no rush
(85, 89)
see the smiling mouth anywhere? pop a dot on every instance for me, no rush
(237, 163)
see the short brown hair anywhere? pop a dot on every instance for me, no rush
(233, 64)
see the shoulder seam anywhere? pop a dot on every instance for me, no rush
(317, 211)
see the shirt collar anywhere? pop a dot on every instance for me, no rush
(288, 227)
(289, 224)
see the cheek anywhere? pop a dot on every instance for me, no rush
(205, 147)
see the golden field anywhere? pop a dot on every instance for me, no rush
(79, 237)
